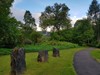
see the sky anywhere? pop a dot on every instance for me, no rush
(78, 8)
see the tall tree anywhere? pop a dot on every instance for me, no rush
(93, 15)
(29, 25)
(29, 20)
(5, 8)
(56, 17)
(4, 13)
(93, 11)
(8, 25)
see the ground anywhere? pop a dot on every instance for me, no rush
(62, 65)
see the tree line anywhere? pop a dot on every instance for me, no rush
(85, 31)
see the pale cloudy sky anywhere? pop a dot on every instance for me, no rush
(78, 8)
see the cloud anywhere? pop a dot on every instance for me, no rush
(75, 18)
(16, 2)
(19, 15)
(36, 16)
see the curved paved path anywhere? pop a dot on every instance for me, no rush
(84, 64)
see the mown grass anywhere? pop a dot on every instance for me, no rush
(62, 65)
(96, 54)
(43, 46)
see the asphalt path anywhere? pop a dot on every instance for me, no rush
(84, 64)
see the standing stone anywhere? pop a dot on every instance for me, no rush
(42, 56)
(56, 52)
(18, 64)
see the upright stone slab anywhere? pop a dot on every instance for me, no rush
(42, 56)
(18, 64)
(56, 52)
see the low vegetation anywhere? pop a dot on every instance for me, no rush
(96, 54)
(62, 65)
(43, 46)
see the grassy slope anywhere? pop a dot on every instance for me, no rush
(96, 54)
(55, 66)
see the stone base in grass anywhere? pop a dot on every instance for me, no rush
(56, 52)
(42, 56)
(18, 64)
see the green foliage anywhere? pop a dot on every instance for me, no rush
(94, 16)
(8, 25)
(84, 32)
(5, 51)
(55, 36)
(29, 20)
(28, 34)
(9, 38)
(27, 42)
(97, 44)
(54, 66)
(49, 45)
(26, 31)
(93, 10)
(45, 38)
(63, 35)
(55, 16)
(5, 9)
(42, 46)
(36, 37)
(96, 54)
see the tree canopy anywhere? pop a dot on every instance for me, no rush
(84, 32)
(56, 17)
(29, 20)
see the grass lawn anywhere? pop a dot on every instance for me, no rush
(96, 54)
(62, 65)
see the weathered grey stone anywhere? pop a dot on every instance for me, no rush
(18, 64)
(56, 52)
(42, 56)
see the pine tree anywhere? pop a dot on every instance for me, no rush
(94, 16)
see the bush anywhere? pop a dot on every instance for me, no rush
(63, 35)
(36, 37)
(98, 45)
(27, 41)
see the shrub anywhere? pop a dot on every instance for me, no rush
(27, 41)
(36, 37)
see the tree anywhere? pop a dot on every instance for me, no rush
(55, 17)
(10, 39)
(93, 15)
(29, 20)
(5, 8)
(29, 25)
(84, 32)
(93, 11)
(8, 25)
(4, 14)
